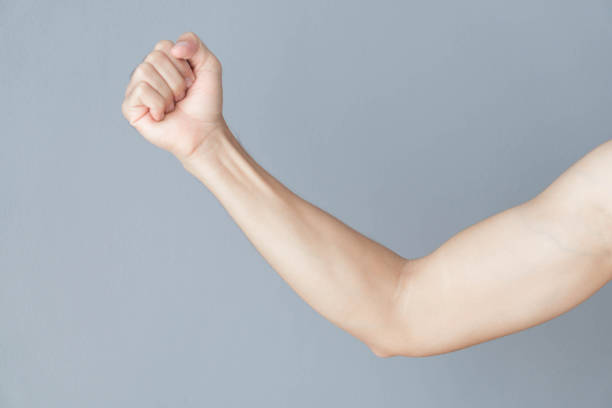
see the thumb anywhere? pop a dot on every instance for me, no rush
(189, 46)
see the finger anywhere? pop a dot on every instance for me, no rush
(147, 72)
(180, 64)
(143, 98)
(190, 47)
(162, 64)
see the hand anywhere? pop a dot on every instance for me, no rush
(174, 97)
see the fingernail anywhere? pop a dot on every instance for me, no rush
(188, 81)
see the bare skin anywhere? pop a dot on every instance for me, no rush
(511, 271)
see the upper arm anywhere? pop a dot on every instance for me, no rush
(514, 270)
(582, 198)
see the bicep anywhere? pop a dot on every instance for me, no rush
(511, 271)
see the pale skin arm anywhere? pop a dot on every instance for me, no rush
(511, 271)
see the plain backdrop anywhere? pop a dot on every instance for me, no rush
(123, 283)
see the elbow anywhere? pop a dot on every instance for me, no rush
(398, 343)
(405, 329)
(382, 352)
(403, 334)
(405, 350)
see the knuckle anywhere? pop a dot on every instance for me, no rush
(155, 57)
(133, 72)
(140, 88)
(163, 44)
(140, 70)
(128, 89)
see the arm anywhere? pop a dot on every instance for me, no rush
(511, 271)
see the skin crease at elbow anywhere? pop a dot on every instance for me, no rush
(509, 272)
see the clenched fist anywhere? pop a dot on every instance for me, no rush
(174, 97)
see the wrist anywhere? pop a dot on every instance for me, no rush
(208, 144)
(222, 164)
(211, 155)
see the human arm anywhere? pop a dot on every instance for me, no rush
(511, 271)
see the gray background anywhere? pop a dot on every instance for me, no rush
(123, 283)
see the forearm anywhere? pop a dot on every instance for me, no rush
(345, 276)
